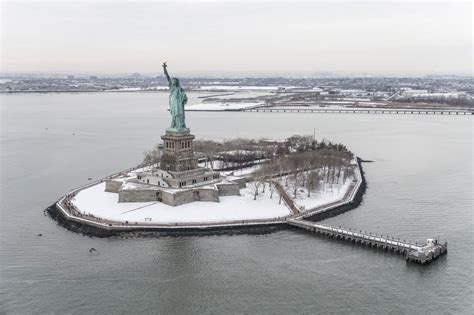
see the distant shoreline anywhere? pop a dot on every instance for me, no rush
(390, 106)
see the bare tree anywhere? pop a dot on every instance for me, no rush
(295, 164)
(255, 184)
(313, 181)
(268, 171)
(306, 164)
(257, 180)
(209, 149)
(152, 156)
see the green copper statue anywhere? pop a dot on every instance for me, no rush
(177, 101)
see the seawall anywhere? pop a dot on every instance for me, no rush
(117, 229)
(87, 229)
(354, 203)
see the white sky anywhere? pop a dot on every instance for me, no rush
(237, 37)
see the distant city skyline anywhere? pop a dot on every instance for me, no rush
(237, 38)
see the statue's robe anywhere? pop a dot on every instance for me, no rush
(177, 100)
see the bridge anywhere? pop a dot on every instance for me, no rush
(360, 111)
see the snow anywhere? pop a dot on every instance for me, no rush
(309, 107)
(143, 169)
(326, 194)
(356, 99)
(373, 107)
(247, 94)
(130, 89)
(245, 171)
(221, 106)
(235, 87)
(241, 152)
(96, 201)
(433, 95)
(372, 103)
(241, 169)
(216, 164)
(338, 102)
(128, 185)
(150, 88)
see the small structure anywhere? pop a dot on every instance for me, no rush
(427, 253)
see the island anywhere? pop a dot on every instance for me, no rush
(187, 186)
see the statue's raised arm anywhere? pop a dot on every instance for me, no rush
(166, 72)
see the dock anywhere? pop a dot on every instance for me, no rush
(414, 252)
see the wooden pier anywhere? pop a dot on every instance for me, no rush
(360, 111)
(422, 254)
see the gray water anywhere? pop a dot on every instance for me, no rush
(419, 186)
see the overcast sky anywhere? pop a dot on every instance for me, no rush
(237, 37)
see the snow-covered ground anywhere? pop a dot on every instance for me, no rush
(216, 165)
(372, 104)
(221, 106)
(359, 103)
(245, 171)
(219, 164)
(236, 88)
(150, 88)
(247, 94)
(96, 201)
(301, 107)
(327, 193)
(376, 106)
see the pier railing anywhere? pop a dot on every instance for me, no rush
(354, 235)
(422, 254)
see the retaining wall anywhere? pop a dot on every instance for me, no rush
(104, 228)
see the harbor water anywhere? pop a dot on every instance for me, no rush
(419, 186)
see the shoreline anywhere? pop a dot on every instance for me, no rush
(303, 221)
(395, 108)
(156, 231)
(258, 226)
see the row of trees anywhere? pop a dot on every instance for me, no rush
(230, 154)
(299, 161)
(462, 100)
(152, 156)
(305, 169)
(298, 143)
(242, 151)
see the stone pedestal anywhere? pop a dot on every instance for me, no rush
(178, 154)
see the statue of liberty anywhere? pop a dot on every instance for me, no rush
(177, 101)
